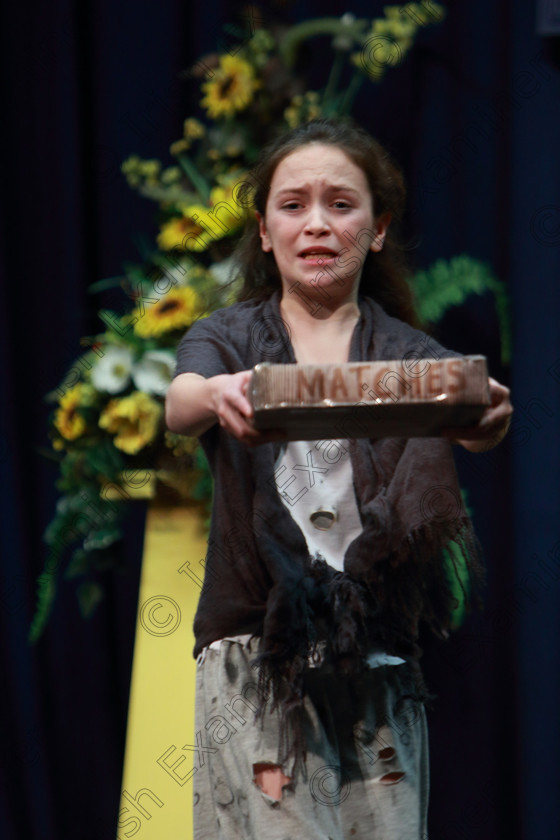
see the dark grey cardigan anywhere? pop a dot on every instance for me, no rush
(259, 577)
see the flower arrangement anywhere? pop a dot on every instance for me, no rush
(107, 426)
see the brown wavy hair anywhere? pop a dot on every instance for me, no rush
(384, 274)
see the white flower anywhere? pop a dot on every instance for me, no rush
(344, 39)
(223, 271)
(112, 371)
(154, 372)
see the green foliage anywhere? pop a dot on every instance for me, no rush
(46, 591)
(458, 576)
(449, 283)
(90, 594)
(84, 518)
(456, 567)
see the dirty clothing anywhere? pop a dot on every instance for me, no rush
(366, 773)
(258, 575)
(361, 730)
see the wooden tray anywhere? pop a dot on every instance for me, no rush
(404, 398)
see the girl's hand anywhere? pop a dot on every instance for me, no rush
(492, 426)
(235, 412)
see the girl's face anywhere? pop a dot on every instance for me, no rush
(319, 223)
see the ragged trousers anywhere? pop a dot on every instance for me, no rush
(366, 772)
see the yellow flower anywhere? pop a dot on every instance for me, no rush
(303, 108)
(180, 445)
(225, 216)
(133, 420)
(67, 419)
(171, 175)
(391, 37)
(185, 233)
(130, 169)
(137, 170)
(176, 310)
(291, 115)
(179, 146)
(380, 50)
(200, 226)
(193, 129)
(231, 88)
(150, 170)
(233, 149)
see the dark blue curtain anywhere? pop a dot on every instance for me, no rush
(473, 117)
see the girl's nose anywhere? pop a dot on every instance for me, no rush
(316, 220)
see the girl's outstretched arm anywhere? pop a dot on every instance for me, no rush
(194, 404)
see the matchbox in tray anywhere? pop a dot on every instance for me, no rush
(404, 398)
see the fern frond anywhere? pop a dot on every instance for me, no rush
(46, 591)
(449, 283)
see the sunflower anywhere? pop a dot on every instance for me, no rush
(185, 232)
(231, 88)
(133, 420)
(67, 419)
(175, 310)
(225, 216)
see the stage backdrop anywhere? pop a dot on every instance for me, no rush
(473, 117)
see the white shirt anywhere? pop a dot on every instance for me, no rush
(315, 482)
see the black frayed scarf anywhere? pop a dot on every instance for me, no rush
(394, 575)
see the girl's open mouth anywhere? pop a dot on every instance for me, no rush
(318, 256)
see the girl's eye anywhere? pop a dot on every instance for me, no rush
(342, 205)
(291, 205)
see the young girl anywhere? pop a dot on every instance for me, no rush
(324, 557)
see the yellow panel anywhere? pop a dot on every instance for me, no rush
(156, 799)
